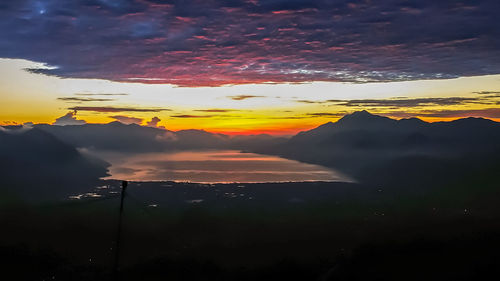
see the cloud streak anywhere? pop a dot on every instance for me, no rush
(485, 99)
(406, 102)
(447, 113)
(101, 94)
(79, 99)
(127, 119)
(191, 116)
(215, 110)
(116, 109)
(244, 97)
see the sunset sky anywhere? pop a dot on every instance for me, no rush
(245, 67)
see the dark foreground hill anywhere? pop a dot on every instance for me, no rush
(281, 231)
(36, 165)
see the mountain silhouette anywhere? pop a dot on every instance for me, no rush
(112, 136)
(376, 148)
(116, 136)
(37, 165)
(366, 126)
(364, 119)
(366, 146)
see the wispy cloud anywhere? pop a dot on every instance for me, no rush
(68, 119)
(127, 119)
(487, 113)
(215, 110)
(191, 116)
(244, 97)
(326, 114)
(101, 94)
(116, 109)
(80, 99)
(446, 113)
(314, 101)
(487, 92)
(406, 102)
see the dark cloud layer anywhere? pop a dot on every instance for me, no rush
(211, 43)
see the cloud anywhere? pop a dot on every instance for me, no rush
(215, 110)
(487, 92)
(487, 113)
(8, 123)
(191, 116)
(445, 113)
(68, 119)
(116, 109)
(154, 122)
(213, 43)
(167, 137)
(326, 114)
(407, 102)
(314, 102)
(290, 117)
(244, 97)
(127, 119)
(101, 94)
(79, 99)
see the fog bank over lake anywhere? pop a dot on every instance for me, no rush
(213, 166)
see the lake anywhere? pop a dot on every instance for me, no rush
(213, 166)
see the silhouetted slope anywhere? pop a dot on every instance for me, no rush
(112, 136)
(37, 165)
(379, 149)
(120, 137)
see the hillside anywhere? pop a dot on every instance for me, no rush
(37, 165)
(378, 149)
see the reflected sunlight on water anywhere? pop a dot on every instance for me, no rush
(214, 166)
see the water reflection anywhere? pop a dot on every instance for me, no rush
(214, 166)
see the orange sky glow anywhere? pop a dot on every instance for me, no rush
(269, 108)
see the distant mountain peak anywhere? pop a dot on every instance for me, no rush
(361, 113)
(412, 120)
(363, 118)
(358, 114)
(116, 123)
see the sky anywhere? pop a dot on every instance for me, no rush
(246, 67)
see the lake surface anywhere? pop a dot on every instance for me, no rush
(214, 166)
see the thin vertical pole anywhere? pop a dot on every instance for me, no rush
(119, 232)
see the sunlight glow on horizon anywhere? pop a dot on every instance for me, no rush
(281, 109)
